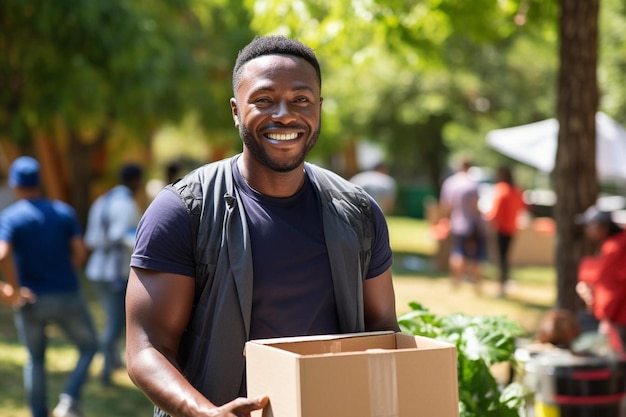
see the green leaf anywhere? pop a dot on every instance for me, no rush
(480, 342)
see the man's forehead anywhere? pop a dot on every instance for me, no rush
(263, 69)
(276, 60)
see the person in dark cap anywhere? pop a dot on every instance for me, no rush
(602, 277)
(41, 246)
(111, 225)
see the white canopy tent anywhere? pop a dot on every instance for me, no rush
(535, 144)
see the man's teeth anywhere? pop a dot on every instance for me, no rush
(282, 136)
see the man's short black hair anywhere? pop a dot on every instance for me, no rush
(274, 45)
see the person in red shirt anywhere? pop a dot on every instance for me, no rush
(508, 203)
(602, 277)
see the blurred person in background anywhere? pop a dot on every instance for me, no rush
(172, 172)
(602, 277)
(459, 203)
(41, 247)
(110, 235)
(508, 204)
(558, 327)
(380, 185)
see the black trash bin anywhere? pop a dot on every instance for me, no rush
(568, 385)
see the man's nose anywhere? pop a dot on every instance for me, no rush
(283, 112)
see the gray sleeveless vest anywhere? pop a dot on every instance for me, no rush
(211, 351)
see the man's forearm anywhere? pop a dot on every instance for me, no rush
(163, 383)
(7, 266)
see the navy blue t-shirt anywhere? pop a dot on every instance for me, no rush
(40, 231)
(292, 290)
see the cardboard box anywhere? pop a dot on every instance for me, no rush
(379, 374)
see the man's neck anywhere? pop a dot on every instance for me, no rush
(270, 182)
(27, 193)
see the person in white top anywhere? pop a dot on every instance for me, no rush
(111, 226)
(380, 185)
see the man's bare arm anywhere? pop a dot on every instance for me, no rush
(158, 308)
(11, 290)
(380, 303)
(79, 251)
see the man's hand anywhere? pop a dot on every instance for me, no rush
(585, 291)
(26, 296)
(6, 293)
(239, 407)
(16, 298)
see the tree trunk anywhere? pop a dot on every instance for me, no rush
(54, 178)
(575, 177)
(86, 167)
(433, 150)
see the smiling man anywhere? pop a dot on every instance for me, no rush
(259, 245)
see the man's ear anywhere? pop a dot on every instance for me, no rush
(235, 111)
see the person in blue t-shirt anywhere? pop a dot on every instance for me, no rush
(302, 276)
(40, 248)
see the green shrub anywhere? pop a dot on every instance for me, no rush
(480, 342)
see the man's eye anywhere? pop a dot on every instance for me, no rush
(262, 100)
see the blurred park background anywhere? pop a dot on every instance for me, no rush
(86, 86)
(416, 278)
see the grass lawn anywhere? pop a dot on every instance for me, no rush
(532, 293)
(122, 400)
(532, 289)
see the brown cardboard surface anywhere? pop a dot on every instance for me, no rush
(324, 344)
(362, 375)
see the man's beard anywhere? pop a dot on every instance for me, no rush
(260, 155)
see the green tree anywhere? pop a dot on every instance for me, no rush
(92, 78)
(422, 78)
(612, 58)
